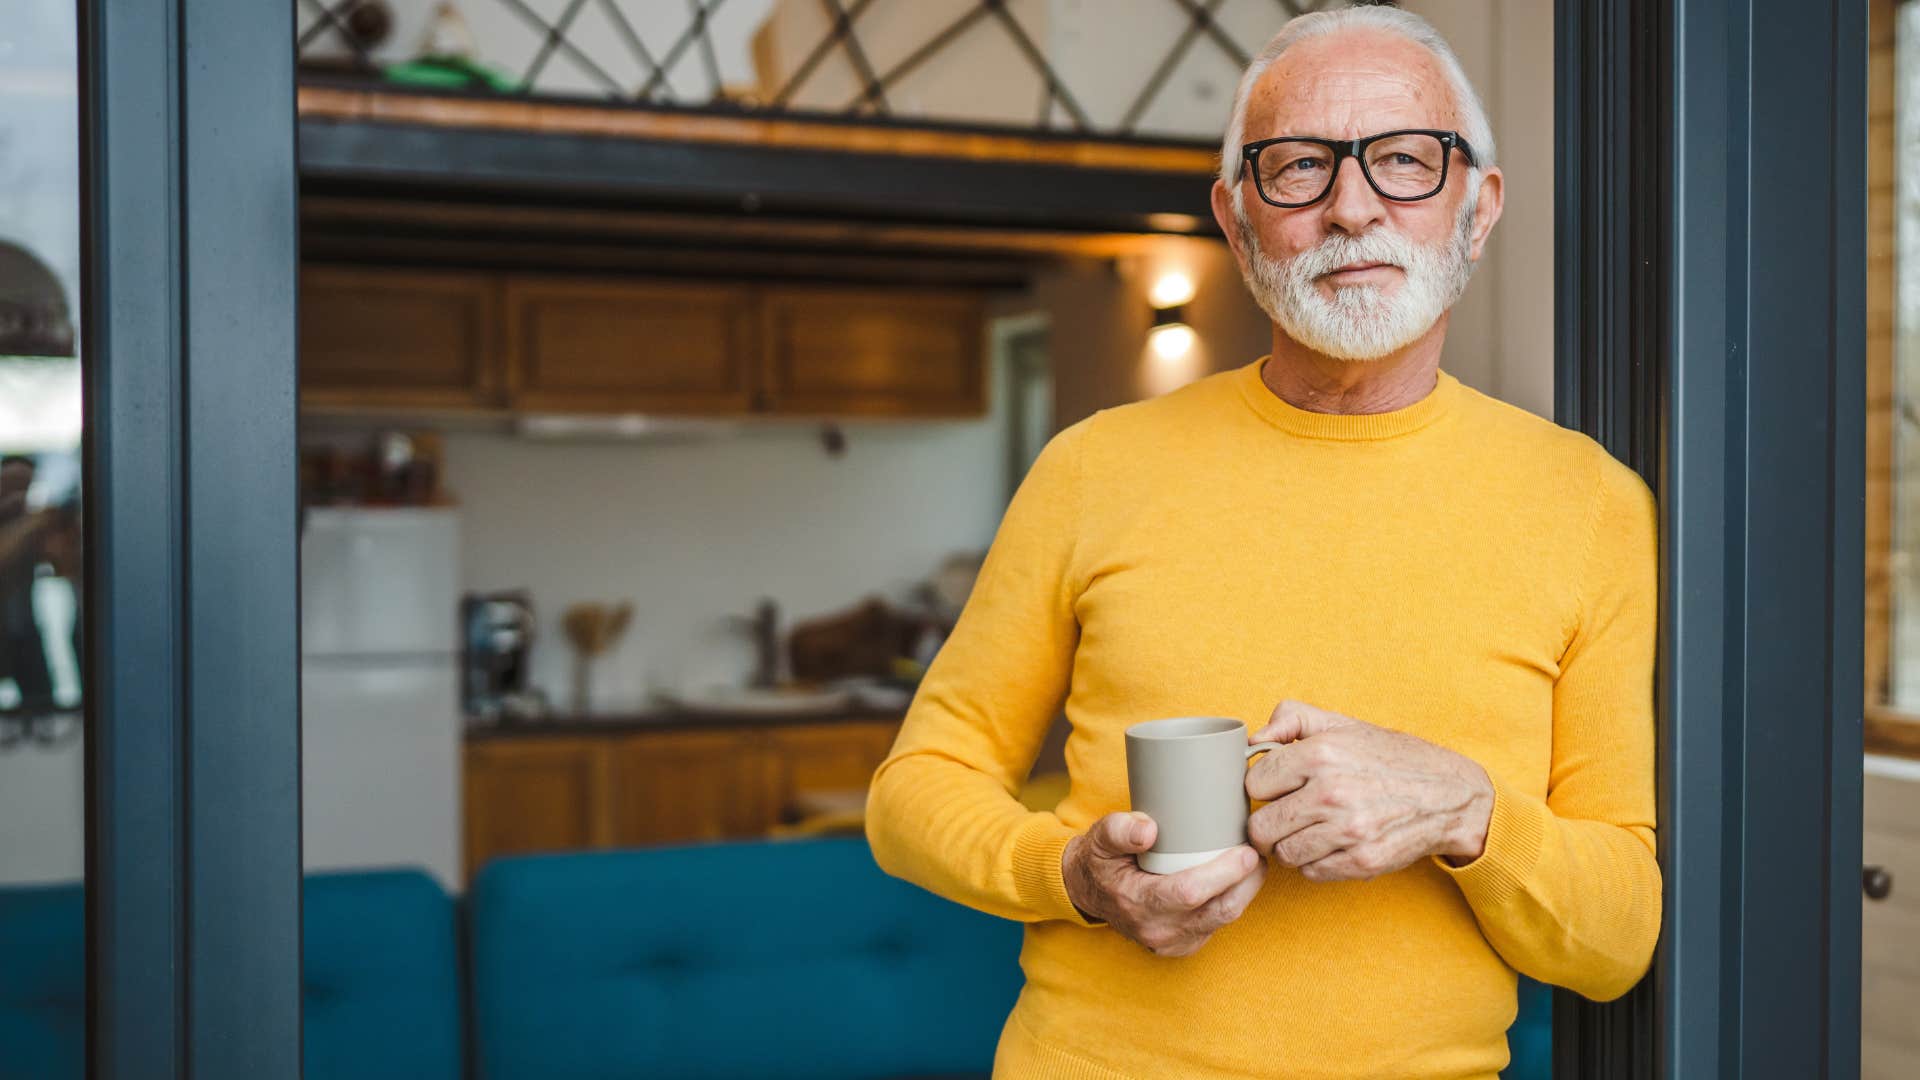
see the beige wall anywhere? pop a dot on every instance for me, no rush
(1501, 341)
(1099, 317)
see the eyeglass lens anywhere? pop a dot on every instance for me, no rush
(1402, 166)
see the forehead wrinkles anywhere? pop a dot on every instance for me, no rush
(1350, 85)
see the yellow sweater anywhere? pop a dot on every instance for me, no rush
(1458, 569)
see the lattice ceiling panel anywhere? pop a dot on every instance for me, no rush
(1102, 67)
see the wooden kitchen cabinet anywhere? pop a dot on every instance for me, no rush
(685, 786)
(818, 758)
(385, 338)
(624, 787)
(594, 345)
(837, 351)
(537, 794)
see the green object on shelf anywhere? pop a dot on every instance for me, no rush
(450, 71)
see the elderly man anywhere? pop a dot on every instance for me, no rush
(1442, 605)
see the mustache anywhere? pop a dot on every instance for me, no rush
(1375, 246)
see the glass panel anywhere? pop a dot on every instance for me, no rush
(574, 606)
(1891, 791)
(42, 806)
(1903, 690)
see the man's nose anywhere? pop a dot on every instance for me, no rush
(1353, 206)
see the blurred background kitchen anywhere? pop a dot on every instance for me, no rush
(706, 477)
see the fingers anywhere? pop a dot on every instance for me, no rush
(1357, 863)
(1276, 821)
(1283, 771)
(1191, 888)
(1230, 905)
(1118, 836)
(1292, 720)
(1311, 844)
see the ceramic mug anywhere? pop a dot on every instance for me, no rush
(1189, 774)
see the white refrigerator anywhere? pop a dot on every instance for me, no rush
(380, 689)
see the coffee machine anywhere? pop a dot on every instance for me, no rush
(496, 657)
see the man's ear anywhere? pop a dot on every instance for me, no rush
(1224, 217)
(1487, 211)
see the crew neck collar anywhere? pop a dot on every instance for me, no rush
(1350, 427)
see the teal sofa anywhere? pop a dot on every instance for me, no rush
(786, 958)
(381, 980)
(796, 959)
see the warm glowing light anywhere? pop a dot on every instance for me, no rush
(1171, 290)
(1171, 342)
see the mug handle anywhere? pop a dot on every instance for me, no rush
(1262, 747)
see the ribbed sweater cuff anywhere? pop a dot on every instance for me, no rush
(1514, 835)
(1037, 879)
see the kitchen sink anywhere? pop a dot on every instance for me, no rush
(776, 700)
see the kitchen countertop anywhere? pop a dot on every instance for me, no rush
(670, 718)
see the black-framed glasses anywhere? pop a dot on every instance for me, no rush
(1405, 165)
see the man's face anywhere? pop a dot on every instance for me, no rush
(1356, 275)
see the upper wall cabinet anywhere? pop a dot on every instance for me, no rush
(398, 338)
(590, 345)
(872, 352)
(380, 338)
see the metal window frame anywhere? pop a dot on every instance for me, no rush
(1711, 334)
(191, 635)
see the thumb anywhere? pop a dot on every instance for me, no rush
(1117, 836)
(1295, 720)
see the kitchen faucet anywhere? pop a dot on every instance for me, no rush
(764, 624)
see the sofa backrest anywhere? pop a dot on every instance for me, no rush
(380, 977)
(790, 958)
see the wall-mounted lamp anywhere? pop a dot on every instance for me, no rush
(1171, 290)
(1171, 337)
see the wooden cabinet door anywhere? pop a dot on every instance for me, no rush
(686, 786)
(873, 352)
(398, 338)
(537, 794)
(829, 757)
(598, 346)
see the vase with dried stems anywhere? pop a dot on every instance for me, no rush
(592, 629)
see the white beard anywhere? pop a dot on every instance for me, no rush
(1361, 322)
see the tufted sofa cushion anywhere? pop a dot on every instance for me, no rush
(794, 958)
(43, 994)
(381, 980)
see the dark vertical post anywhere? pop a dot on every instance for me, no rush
(193, 752)
(1711, 323)
(1611, 106)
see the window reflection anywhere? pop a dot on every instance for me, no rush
(41, 791)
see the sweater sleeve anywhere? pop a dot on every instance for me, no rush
(1567, 889)
(941, 811)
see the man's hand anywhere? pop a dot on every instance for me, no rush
(1170, 914)
(1355, 801)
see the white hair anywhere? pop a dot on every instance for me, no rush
(1473, 115)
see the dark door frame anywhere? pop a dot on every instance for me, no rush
(1711, 334)
(191, 606)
